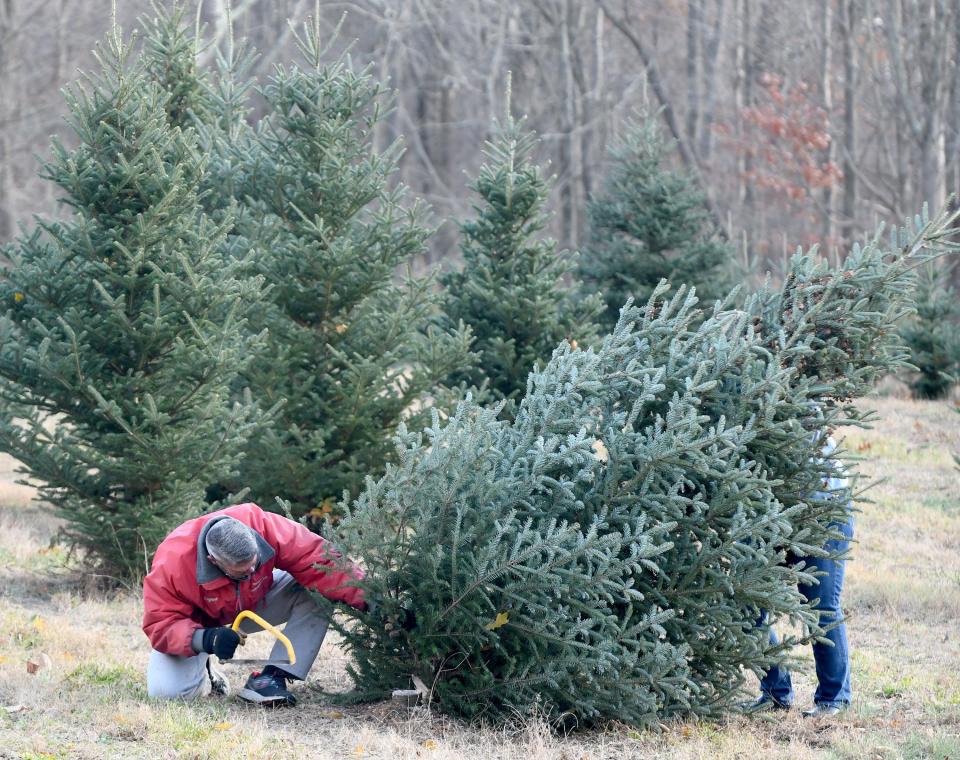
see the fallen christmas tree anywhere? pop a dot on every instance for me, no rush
(608, 554)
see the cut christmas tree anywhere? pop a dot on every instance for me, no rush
(608, 554)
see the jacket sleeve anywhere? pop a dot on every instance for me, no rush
(313, 561)
(166, 617)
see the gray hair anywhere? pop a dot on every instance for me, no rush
(231, 542)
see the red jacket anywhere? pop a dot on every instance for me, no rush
(184, 591)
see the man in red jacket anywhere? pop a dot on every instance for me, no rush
(240, 558)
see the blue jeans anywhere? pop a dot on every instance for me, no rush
(832, 662)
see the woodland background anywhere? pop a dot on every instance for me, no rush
(803, 122)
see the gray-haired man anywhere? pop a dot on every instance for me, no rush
(241, 558)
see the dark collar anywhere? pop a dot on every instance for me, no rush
(207, 572)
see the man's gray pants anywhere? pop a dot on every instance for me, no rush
(175, 677)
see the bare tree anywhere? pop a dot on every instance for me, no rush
(885, 69)
(850, 71)
(826, 92)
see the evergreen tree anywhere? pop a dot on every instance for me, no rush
(650, 223)
(170, 59)
(609, 553)
(351, 349)
(124, 327)
(932, 335)
(511, 290)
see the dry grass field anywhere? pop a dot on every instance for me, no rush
(87, 697)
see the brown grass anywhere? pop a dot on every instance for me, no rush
(12, 494)
(903, 594)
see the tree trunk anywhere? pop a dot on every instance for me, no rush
(953, 124)
(849, 15)
(932, 167)
(746, 68)
(569, 179)
(826, 87)
(711, 54)
(8, 36)
(694, 34)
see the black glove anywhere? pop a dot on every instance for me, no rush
(408, 620)
(222, 642)
(403, 619)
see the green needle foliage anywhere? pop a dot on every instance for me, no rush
(124, 327)
(608, 553)
(647, 224)
(351, 348)
(511, 290)
(932, 335)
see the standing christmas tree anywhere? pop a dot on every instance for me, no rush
(932, 335)
(351, 348)
(609, 553)
(510, 291)
(124, 327)
(309, 205)
(650, 223)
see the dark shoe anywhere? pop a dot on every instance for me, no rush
(763, 703)
(824, 711)
(219, 684)
(268, 688)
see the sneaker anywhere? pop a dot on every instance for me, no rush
(824, 711)
(219, 684)
(268, 688)
(763, 703)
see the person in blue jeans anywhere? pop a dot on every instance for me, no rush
(832, 660)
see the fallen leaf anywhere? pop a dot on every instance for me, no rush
(39, 624)
(333, 715)
(359, 750)
(2, 659)
(223, 726)
(600, 450)
(499, 621)
(341, 328)
(32, 667)
(429, 744)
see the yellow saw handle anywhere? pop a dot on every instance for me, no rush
(277, 633)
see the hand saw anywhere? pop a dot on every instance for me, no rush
(277, 634)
